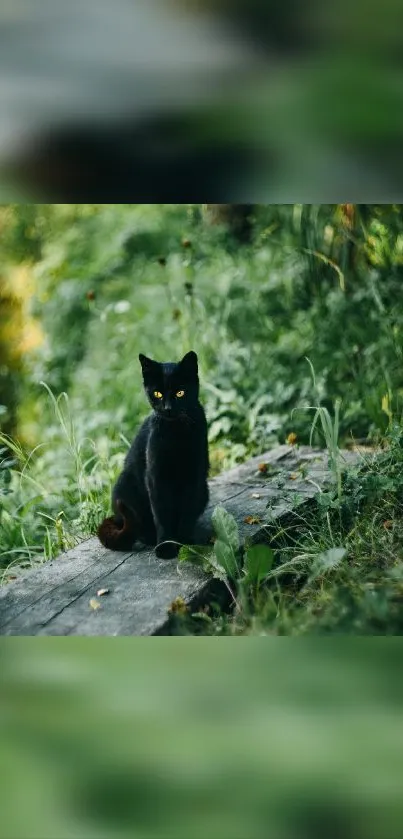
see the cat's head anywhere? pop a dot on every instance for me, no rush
(172, 389)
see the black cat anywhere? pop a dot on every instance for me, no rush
(163, 486)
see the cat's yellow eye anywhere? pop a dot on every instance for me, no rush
(158, 394)
(180, 393)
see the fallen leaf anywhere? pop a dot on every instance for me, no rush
(102, 591)
(94, 604)
(262, 468)
(256, 495)
(294, 476)
(388, 524)
(291, 439)
(252, 520)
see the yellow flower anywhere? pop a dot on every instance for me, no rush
(291, 439)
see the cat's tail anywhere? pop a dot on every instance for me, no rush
(118, 532)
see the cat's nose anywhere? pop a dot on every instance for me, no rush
(168, 408)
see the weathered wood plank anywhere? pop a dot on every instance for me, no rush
(54, 599)
(69, 568)
(141, 590)
(53, 576)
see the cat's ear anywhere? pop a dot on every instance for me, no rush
(188, 364)
(147, 364)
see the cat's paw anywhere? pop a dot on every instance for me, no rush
(167, 550)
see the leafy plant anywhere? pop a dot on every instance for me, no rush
(102, 283)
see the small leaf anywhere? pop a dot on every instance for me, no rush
(102, 591)
(194, 553)
(294, 476)
(226, 559)
(216, 568)
(258, 563)
(95, 604)
(226, 527)
(262, 468)
(256, 495)
(291, 439)
(219, 426)
(201, 616)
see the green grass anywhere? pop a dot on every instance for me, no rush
(334, 567)
(255, 315)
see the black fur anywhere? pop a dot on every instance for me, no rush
(163, 489)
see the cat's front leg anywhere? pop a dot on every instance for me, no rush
(165, 514)
(186, 528)
(192, 506)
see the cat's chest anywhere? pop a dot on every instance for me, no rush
(172, 452)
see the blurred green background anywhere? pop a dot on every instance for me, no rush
(273, 101)
(254, 289)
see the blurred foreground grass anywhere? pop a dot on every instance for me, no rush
(273, 741)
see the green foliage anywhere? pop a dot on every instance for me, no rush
(253, 313)
(226, 546)
(258, 563)
(317, 281)
(338, 570)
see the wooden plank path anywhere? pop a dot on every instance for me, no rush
(54, 598)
